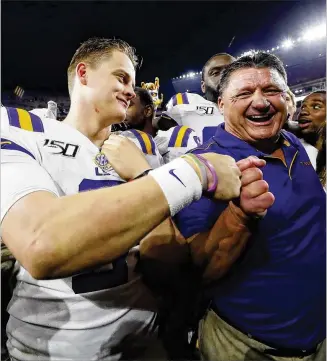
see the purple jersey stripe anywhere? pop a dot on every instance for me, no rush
(13, 117)
(186, 137)
(10, 145)
(185, 98)
(174, 136)
(140, 139)
(36, 123)
(153, 145)
(174, 100)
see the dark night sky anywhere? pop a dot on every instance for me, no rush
(39, 38)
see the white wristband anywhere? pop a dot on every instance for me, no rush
(179, 183)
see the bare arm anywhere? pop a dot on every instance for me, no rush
(165, 243)
(55, 237)
(83, 230)
(218, 249)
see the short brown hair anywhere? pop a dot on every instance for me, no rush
(254, 59)
(93, 50)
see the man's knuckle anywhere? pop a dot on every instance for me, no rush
(265, 186)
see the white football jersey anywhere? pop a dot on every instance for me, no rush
(195, 112)
(175, 142)
(94, 315)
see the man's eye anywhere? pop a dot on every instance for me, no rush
(243, 94)
(316, 106)
(272, 91)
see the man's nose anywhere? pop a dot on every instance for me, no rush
(260, 102)
(130, 92)
(304, 111)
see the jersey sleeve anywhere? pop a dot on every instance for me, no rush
(178, 99)
(182, 139)
(175, 108)
(21, 170)
(148, 146)
(176, 114)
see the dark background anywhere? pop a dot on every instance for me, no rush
(39, 38)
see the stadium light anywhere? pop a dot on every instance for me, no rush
(287, 44)
(314, 33)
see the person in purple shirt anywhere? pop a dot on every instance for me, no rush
(271, 302)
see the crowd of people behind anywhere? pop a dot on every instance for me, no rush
(203, 228)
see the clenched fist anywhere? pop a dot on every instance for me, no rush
(125, 157)
(255, 197)
(228, 173)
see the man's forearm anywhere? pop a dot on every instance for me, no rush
(218, 249)
(80, 231)
(165, 243)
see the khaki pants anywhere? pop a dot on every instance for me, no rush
(219, 341)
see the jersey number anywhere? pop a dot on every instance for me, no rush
(108, 276)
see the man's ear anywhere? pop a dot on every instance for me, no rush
(81, 73)
(148, 111)
(203, 86)
(221, 105)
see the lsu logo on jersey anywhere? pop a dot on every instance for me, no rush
(25, 120)
(102, 162)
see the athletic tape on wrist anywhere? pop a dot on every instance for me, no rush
(179, 183)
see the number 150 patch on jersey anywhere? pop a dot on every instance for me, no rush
(62, 148)
(203, 110)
